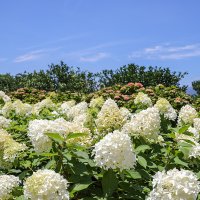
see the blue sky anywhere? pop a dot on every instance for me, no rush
(102, 34)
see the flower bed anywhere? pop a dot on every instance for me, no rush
(99, 149)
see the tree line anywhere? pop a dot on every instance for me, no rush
(61, 77)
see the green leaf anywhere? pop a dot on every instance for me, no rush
(67, 155)
(23, 174)
(81, 154)
(50, 164)
(80, 186)
(15, 170)
(134, 174)
(76, 135)
(20, 197)
(180, 162)
(45, 154)
(26, 163)
(56, 137)
(183, 129)
(198, 175)
(142, 161)
(185, 148)
(145, 175)
(142, 148)
(109, 182)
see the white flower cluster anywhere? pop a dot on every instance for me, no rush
(126, 114)
(38, 128)
(81, 119)
(142, 98)
(194, 131)
(115, 151)
(65, 107)
(7, 184)
(175, 185)
(96, 102)
(4, 97)
(110, 117)
(4, 123)
(192, 141)
(18, 107)
(7, 109)
(145, 124)
(9, 148)
(196, 123)
(166, 109)
(183, 137)
(22, 108)
(46, 185)
(46, 103)
(77, 110)
(195, 151)
(187, 114)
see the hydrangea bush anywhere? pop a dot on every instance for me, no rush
(98, 149)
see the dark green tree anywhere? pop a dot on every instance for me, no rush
(148, 76)
(61, 77)
(196, 86)
(7, 82)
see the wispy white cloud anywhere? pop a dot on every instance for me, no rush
(87, 55)
(94, 58)
(33, 55)
(56, 41)
(28, 56)
(167, 51)
(97, 52)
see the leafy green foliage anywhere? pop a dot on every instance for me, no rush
(62, 78)
(75, 162)
(150, 76)
(196, 86)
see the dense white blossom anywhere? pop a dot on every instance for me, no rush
(115, 151)
(110, 117)
(4, 123)
(46, 185)
(171, 114)
(9, 148)
(126, 114)
(36, 133)
(175, 185)
(192, 141)
(81, 119)
(65, 107)
(187, 114)
(77, 110)
(37, 129)
(182, 137)
(96, 102)
(7, 109)
(46, 103)
(166, 109)
(18, 107)
(7, 184)
(195, 150)
(4, 97)
(196, 123)
(22, 108)
(145, 124)
(143, 99)
(194, 131)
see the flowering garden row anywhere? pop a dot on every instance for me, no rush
(97, 150)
